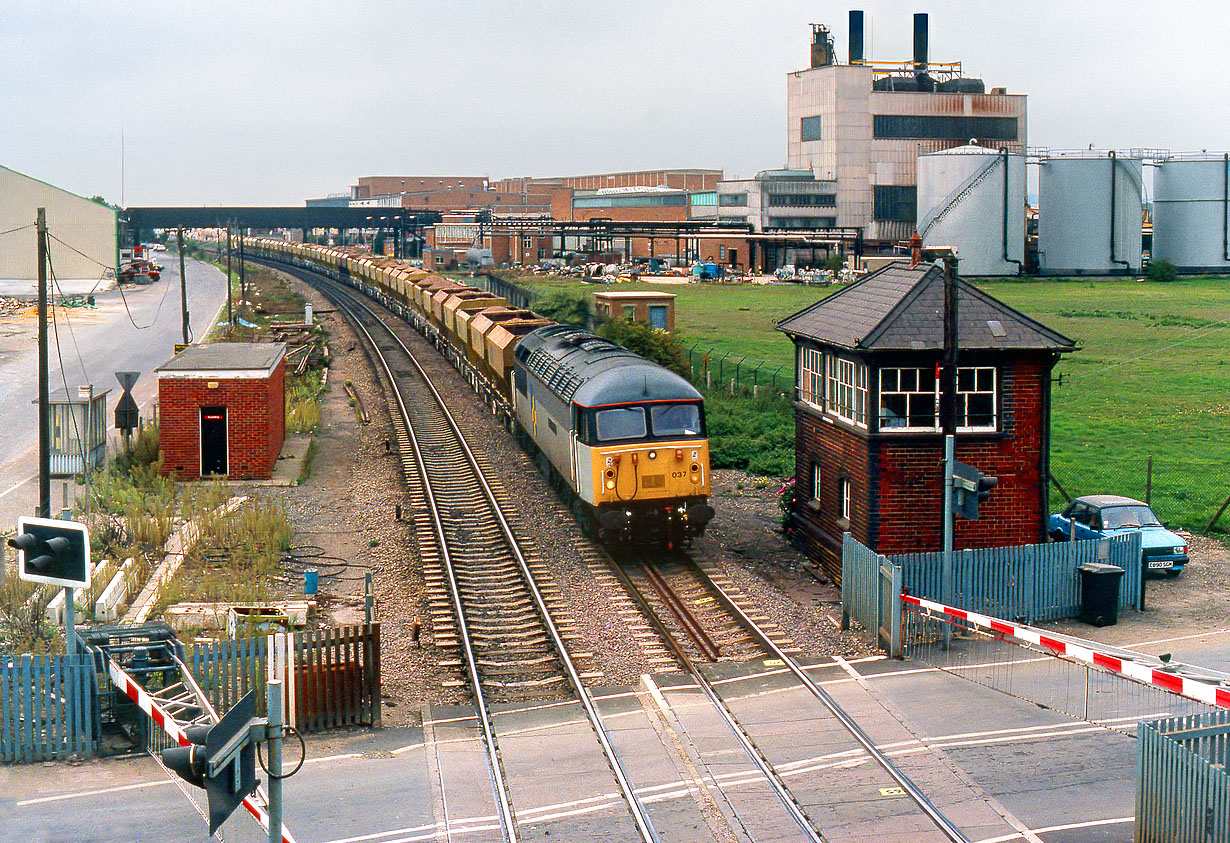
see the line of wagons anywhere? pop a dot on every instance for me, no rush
(624, 437)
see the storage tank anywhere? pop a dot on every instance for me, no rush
(973, 199)
(1191, 213)
(1089, 215)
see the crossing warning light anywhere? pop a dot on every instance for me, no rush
(221, 759)
(52, 551)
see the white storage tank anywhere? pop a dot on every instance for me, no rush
(1089, 214)
(973, 198)
(1191, 212)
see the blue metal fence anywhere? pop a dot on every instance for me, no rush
(1182, 779)
(46, 708)
(1038, 582)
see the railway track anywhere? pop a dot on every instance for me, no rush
(510, 646)
(703, 621)
(500, 621)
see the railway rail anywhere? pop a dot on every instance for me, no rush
(510, 645)
(705, 612)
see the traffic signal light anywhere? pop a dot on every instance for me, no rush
(53, 552)
(221, 759)
(969, 487)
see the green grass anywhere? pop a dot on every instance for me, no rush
(1152, 379)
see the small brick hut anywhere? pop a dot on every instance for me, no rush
(222, 410)
(869, 450)
(655, 308)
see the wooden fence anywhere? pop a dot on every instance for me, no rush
(336, 671)
(1182, 779)
(1037, 582)
(46, 708)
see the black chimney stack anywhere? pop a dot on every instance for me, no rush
(920, 42)
(856, 36)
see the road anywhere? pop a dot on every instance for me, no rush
(1060, 780)
(130, 330)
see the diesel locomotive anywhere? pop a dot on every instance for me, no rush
(624, 437)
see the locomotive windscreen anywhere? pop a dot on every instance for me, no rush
(664, 421)
(675, 419)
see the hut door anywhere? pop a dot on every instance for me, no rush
(213, 440)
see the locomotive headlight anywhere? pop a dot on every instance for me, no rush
(679, 454)
(695, 468)
(610, 484)
(653, 455)
(610, 472)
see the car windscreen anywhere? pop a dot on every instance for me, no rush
(1128, 516)
(675, 419)
(620, 423)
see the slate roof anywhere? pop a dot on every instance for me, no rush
(900, 307)
(226, 356)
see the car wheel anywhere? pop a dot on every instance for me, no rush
(1058, 536)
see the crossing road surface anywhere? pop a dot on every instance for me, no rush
(133, 330)
(1057, 779)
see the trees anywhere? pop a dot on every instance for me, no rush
(568, 307)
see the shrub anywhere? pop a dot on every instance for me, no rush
(652, 344)
(568, 307)
(1162, 270)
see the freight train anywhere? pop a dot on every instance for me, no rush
(623, 437)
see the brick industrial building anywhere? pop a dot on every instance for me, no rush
(869, 447)
(222, 410)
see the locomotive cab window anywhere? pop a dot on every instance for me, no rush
(620, 423)
(675, 419)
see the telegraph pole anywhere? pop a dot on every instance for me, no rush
(183, 286)
(44, 400)
(230, 317)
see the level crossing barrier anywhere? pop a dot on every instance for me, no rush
(1183, 779)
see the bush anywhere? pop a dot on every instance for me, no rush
(568, 307)
(652, 344)
(1162, 270)
(836, 263)
(752, 434)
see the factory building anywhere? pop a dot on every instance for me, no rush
(83, 239)
(864, 124)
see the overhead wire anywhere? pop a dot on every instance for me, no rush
(1200, 334)
(19, 228)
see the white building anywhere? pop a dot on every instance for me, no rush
(778, 200)
(864, 124)
(83, 241)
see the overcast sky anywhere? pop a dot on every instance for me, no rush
(271, 102)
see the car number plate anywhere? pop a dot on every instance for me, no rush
(1160, 563)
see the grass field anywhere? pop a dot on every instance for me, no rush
(1151, 378)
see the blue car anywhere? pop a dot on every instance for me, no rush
(1104, 516)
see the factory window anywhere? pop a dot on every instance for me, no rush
(527, 241)
(847, 390)
(896, 203)
(801, 200)
(802, 222)
(703, 199)
(809, 129)
(634, 201)
(811, 377)
(943, 127)
(732, 198)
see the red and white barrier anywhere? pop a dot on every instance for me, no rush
(255, 802)
(1192, 688)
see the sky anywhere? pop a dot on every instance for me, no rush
(219, 102)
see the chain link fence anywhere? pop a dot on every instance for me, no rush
(737, 374)
(1192, 493)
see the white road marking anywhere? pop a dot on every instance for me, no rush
(18, 485)
(84, 793)
(1067, 827)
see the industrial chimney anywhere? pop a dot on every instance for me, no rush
(920, 42)
(857, 55)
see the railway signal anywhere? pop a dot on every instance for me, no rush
(52, 552)
(969, 488)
